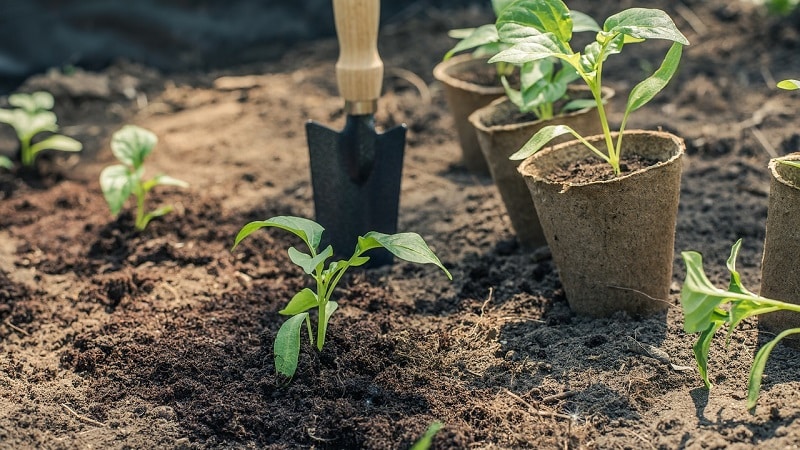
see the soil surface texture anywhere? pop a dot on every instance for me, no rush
(111, 338)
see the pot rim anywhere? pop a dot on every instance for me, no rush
(476, 118)
(526, 170)
(773, 168)
(442, 73)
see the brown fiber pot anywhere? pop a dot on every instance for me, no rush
(498, 142)
(463, 98)
(612, 241)
(780, 267)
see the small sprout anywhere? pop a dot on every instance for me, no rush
(703, 313)
(789, 85)
(6, 163)
(131, 145)
(32, 116)
(406, 246)
(424, 442)
(543, 29)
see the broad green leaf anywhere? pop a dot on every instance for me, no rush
(645, 23)
(406, 246)
(643, 92)
(499, 5)
(546, 17)
(702, 347)
(6, 163)
(578, 104)
(301, 302)
(759, 363)
(424, 442)
(306, 262)
(582, 22)
(358, 261)
(596, 52)
(789, 85)
(132, 144)
(330, 308)
(483, 35)
(541, 139)
(307, 230)
(117, 183)
(32, 103)
(57, 142)
(532, 49)
(699, 298)
(287, 345)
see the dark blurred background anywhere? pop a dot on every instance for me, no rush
(167, 34)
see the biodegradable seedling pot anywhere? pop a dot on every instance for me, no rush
(780, 267)
(612, 241)
(499, 138)
(464, 97)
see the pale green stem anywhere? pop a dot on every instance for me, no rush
(25, 152)
(140, 219)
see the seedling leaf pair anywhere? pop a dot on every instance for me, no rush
(406, 246)
(703, 312)
(131, 145)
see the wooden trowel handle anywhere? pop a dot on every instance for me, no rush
(359, 70)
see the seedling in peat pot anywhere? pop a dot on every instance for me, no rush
(406, 246)
(131, 145)
(32, 116)
(790, 85)
(540, 29)
(701, 302)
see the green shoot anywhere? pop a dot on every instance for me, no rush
(131, 145)
(540, 29)
(6, 163)
(406, 246)
(424, 442)
(703, 313)
(31, 117)
(789, 85)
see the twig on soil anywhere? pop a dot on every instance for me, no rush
(414, 80)
(16, 328)
(534, 410)
(691, 18)
(310, 432)
(488, 299)
(557, 397)
(642, 293)
(83, 419)
(764, 142)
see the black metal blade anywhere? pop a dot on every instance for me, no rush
(356, 176)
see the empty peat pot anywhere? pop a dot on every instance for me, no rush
(463, 97)
(612, 241)
(780, 267)
(499, 138)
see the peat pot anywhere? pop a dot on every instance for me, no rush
(780, 268)
(612, 241)
(464, 97)
(499, 138)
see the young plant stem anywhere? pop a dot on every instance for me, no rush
(141, 223)
(25, 152)
(597, 93)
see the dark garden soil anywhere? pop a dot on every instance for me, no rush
(163, 339)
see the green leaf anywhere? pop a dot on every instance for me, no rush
(645, 23)
(532, 49)
(582, 22)
(57, 142)
(538, 17)
(301, 302)
(647, 89)
(578, 104)
(702, 347)
(499, 5)
(735, 284)
(424, 442)
(117, 183)
(789, 85)
(514, 96)
(162, 211)
(759, 363)
(306, 262)
(790, 163)
(541, 139)
(32, 103)
(700, 300)
(6, 163)
(131, 145)
(287, 345)
(406, 246)
(358, 261)
(330, 308)
(307, 230)
(164, 180)
(483, 35)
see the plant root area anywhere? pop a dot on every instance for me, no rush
(111, 338)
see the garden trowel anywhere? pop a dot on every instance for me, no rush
(355, 173)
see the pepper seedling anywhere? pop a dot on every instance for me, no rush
(31, 117)
(406, 246)
(539, 29)
(131, 145)
(702, 308)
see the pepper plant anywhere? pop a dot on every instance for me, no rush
(31, 116)
(131, 145)
(703, 312)
(540, 29)
(406, 246)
